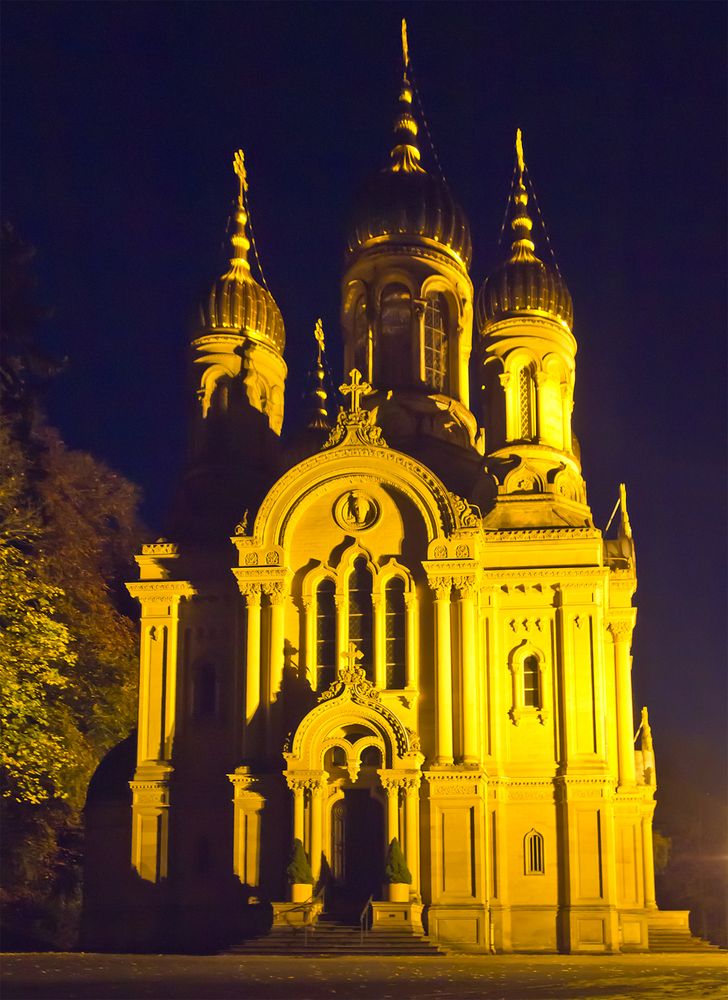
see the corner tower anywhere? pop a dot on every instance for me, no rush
(238, 375)
(526, 363)
(407, 295)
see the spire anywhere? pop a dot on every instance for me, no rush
(316, 396)
(405, 153)
(523, 246)
(239, 266)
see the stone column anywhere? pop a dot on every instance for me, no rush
(276, 595)
(468, 661)
(391, 786)
(418, 306)
(412, 680)
(379, 671)
(251, 593)
(648, 862)
(412, 828)
(247, 807)
(150, 822)
(318, 789)
(342, 629)
(443, 671)
(621, 632)
(298, 807)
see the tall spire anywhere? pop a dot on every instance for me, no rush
(523, 246)
(239, 266)
(405, 153)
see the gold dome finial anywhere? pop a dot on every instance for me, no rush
(319, 418)
(523, 246)
(239, 266)
(405, 153)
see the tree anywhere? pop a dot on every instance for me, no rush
(299, 870)
(395, 866)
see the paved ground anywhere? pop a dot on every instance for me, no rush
(513, 977)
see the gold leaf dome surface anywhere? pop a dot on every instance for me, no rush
(523, 282)
(236, 301)
(406, 203)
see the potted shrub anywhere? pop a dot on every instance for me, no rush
(300, 876)
(397, 875)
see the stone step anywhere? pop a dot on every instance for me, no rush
(329, 938)
(677, 940)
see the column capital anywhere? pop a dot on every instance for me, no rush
(465, 587)
(160, 598)
(441, 586)
(299, 780)
(250, 591)
(621, 628)
(274, 590)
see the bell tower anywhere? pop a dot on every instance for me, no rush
(407, 295)
(526, 363)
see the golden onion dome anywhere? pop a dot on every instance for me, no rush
(403, 203)
(237, 303)
(523, 283)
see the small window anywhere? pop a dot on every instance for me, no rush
(396, 344)
(531, 692)
(360, 613)
(325, 634)
(395, 641)
(435, 343)
(534, 853)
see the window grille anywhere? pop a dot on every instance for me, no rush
(396, 343)
(524, 403)
(534, 853)
(531, 693)
(435, 342)
(325, 634)
(394, 605)
(360, 613)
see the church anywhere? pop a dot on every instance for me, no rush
(395, 621)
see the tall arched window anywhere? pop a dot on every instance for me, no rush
(325, 634)
(533, 852)
(361, 337)
(396, 336)
(531, 692)
(435, 342)
(395, 642)
(360, 614)
(525, 422)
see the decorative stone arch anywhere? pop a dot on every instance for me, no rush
(208, 383)
(523, 479)
(517, 665)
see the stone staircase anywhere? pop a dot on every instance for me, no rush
(677, 939)
(332, 937)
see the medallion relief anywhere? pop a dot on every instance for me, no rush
(356, 511)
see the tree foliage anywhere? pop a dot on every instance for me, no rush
(299, 870)
(395, 866)
(68, 650)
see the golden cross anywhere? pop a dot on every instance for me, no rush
(240, 172)
(356, 389)
(318, 332)
(352, 657)
(405, 46)
(519, 151)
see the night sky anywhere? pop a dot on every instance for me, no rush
(119, 124)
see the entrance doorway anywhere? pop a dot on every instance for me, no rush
(357, 851)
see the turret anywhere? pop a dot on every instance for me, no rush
(526, 367)
(238, 380)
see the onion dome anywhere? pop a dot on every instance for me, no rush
(236, 301)
(403, 202)
(523, 283)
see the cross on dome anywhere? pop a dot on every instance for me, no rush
(352, 657)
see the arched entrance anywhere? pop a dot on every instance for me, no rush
(357, 849)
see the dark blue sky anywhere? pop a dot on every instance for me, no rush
(119, 122)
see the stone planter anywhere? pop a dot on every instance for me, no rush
(300, 892)
(398, 892)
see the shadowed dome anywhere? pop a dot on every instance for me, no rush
(236, 301)
(404, 202)
(523, 283)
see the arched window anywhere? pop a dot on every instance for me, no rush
(396, 340)
(435, 342)
(525, 423)
(533, 853)
(361, 337)
(394, 623)
(325, 634)
(205, 696)
(360, 613)
(531, 692)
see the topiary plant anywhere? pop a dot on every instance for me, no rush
(395, 868)
(299, 870)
